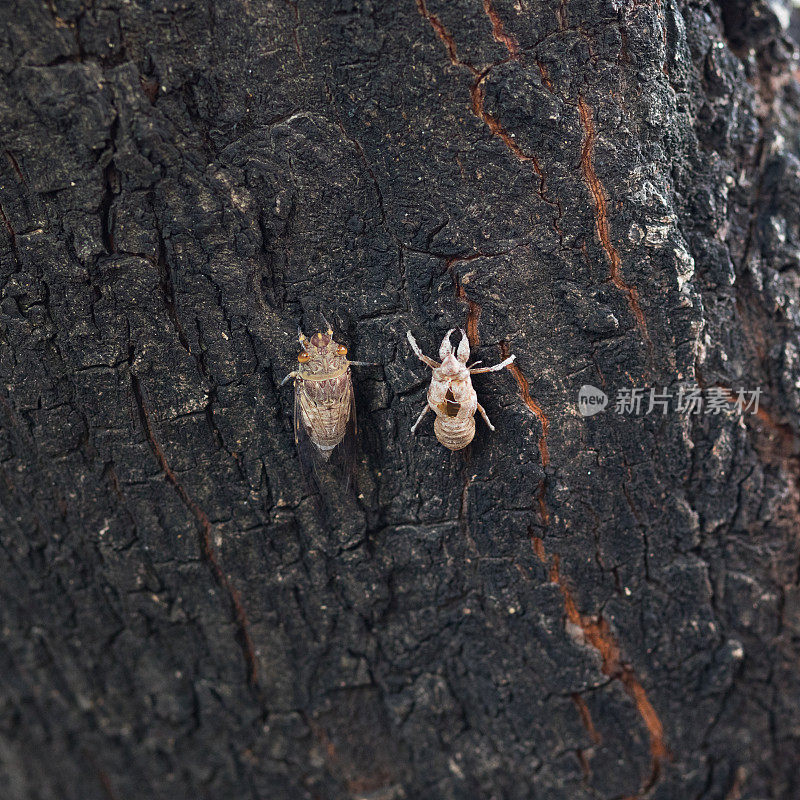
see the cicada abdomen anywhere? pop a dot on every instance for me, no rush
(451, 395)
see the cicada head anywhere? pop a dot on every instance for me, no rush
(322, 355)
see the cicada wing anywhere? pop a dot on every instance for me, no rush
(307, 451)
(345, 455)
(322, 471)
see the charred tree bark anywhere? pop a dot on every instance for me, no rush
(577, 608)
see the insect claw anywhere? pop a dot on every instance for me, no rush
(446, 349)
(290, 375)
(462, 354)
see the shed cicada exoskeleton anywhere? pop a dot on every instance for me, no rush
(451, 395)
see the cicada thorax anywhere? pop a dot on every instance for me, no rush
(324, 393)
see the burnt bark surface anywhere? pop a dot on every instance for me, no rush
(599, 607)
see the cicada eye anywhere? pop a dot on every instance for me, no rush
(341, 350)
(304, 357)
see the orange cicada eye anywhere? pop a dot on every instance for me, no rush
(304, 357)
(341, 350)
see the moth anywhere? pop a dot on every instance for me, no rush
(451, 395)
(324, 407)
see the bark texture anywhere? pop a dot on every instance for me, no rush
(577, 608)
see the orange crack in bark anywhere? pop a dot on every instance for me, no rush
(782, 442)
(12, 235)
(586, 717)
(473, 317)
(206, 532)
(497, 129)
(473, 308)
(545, 77)
(445, 36)
(598, 634)
(535, 408)
(499, 30)
(530, 402)
(15, 166)
(339, 766)
(477, 94)
(295, 37)
(601, 219)
(787, 439)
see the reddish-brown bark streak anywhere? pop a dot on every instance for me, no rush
(541, 492)
(473, 318)
(206, 532)
(497, 129)
(365, 784)
(545, 77)
(10, 230)
(473, 308)
(586, 718)
(295, 36)
(530, 402)
(15, 166)
(541, 489)
(597, 633)
(477, 95)
(445, 36)
(105, 782)
(499, 30)
(601, 218)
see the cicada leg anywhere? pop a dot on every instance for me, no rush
(495, 368)
(418, 352)
(419, 418)
(485, 416)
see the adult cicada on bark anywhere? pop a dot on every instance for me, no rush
(324, 408)
(451, 395)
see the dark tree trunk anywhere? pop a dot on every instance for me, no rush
(576, 608)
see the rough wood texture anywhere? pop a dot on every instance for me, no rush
(579, 608)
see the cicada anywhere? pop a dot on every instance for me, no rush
(324, 407)
(451, 395)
